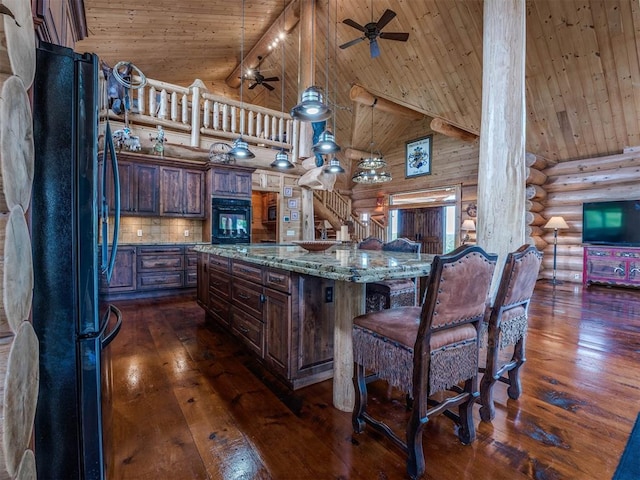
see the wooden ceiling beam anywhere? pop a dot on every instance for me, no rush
(361, 95)
(289, 18)
(440, 126)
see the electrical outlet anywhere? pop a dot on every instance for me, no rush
(186, 233)
(140, 232)
(328, 295)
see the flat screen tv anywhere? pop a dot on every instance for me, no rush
(611, 223)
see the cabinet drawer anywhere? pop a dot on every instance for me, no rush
(160, 262)
(220, 284)
(278, 280)
(192, 260)
(191, 278)
(249, 329)
(160, 250)
(149, 281)
(247, 296)
(219, 263)
(219, 308)
(247, 271)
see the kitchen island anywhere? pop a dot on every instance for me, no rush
(349, 270)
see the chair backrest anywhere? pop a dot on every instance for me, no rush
(402, 245)
(458, 288)
(370, 243)
(518, 278)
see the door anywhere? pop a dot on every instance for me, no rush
(424, 225)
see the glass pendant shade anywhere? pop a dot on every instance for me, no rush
(240, 149)
(282, 161)
(311, 107)
(371, 176)
(334, 166)
(326, 143)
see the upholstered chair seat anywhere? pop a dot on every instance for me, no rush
(506, 326)
(427, 349)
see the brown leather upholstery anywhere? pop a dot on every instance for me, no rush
(370, 243)
(428, 349)
(507, 326)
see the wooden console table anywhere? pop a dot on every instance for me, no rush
(615, 266)
(351, 269)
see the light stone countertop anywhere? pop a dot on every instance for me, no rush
(337, 263)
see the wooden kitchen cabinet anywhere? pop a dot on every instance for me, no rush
(123, 278)
(153, 270)
(231, 182)
(182, 192)
(202, 289)
(139, 189)
(285, 318)
(615, 266)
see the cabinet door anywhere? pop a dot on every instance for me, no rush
(127, 183)
(123, 278)
(242, 184)
(146, 190)
(171, 188)
(221, 182)
(202, 293)
(193, 193)
(277, 320)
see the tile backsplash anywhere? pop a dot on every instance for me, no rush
(158, 230)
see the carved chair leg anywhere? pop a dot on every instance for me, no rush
(467, 432)
(487, 410)
(515, 387)
(415, 459)
(360, 386)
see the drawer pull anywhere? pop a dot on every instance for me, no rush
(634, 271)
(619, 270)
(244, 330)
(243, 296)
(275, 279)
(246, 270)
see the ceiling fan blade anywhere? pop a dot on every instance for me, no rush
(352, 42)
(253, 85)
(401, 37)
(386, 17)
(357, 26)
(267, 86)
(271, 79)
(374, 49)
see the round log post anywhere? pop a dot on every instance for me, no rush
(18, 45)
(16, 149)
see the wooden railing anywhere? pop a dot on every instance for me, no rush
(216, 117)
(341, 208)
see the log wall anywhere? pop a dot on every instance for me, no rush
(568, 185)
(453, 162)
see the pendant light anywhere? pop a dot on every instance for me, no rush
(312, 107)
(369, 166)
(240, 149)
(334, 163)
(282, 158)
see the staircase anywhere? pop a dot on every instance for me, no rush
(336, 209)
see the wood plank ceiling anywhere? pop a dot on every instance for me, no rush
(582, 66)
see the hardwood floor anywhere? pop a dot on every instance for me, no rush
(189, 402)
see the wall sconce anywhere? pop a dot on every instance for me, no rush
(467, 226)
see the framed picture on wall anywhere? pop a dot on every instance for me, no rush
(293, 203)
(418, 157)
(288, 191)
(295, 215)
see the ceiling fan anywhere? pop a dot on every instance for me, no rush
(373, 30)
(258, 79)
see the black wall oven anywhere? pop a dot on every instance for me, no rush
(230, 220)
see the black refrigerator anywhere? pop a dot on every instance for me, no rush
(73, 325)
